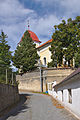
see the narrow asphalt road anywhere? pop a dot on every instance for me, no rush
(37, 107)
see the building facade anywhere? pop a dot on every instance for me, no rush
(44, 53)
(68, 92)
(45, 56)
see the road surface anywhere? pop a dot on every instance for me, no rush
(37, 107)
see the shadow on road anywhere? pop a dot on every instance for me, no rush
(20, 107)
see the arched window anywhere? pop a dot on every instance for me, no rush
(44, 60)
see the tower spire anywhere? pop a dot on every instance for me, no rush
(28, 25)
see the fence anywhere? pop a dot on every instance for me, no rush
(7, 76)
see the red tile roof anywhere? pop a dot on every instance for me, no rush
(33, 36)
(49, 41)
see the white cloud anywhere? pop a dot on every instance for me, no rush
(11, 11)
(14, 16)
(72, 6)
(12, 8)
(69, 7)
(12, 20)
(44, 25)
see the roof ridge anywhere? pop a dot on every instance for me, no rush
(49, 41)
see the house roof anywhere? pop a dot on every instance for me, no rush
(49, 41)
(68, 77)
(33, 36)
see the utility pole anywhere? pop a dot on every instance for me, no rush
(12, 78)
(41, 78)
(6, 76)
(41, 74)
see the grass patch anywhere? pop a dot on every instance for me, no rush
(42, 93)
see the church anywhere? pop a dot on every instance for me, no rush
(44, 52)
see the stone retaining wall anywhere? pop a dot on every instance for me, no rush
(57, 74)
(31, 81)
(8, 95)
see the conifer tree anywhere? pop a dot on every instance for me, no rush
(25, 56)
(5, 56)
(5, 53)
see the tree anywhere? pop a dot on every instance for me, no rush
(66, 40)
(25, 56)
(5, 56)
(5, 53)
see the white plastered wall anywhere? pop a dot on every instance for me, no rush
(74, 85)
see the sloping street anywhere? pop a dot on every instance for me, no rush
(37, 107)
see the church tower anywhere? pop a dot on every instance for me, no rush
(33, 36)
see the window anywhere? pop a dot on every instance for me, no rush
(44, 60)
(62, 94)
(70, 95)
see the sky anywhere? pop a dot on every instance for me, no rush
(42, 15)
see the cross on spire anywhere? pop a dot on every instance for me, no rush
(28, 25)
